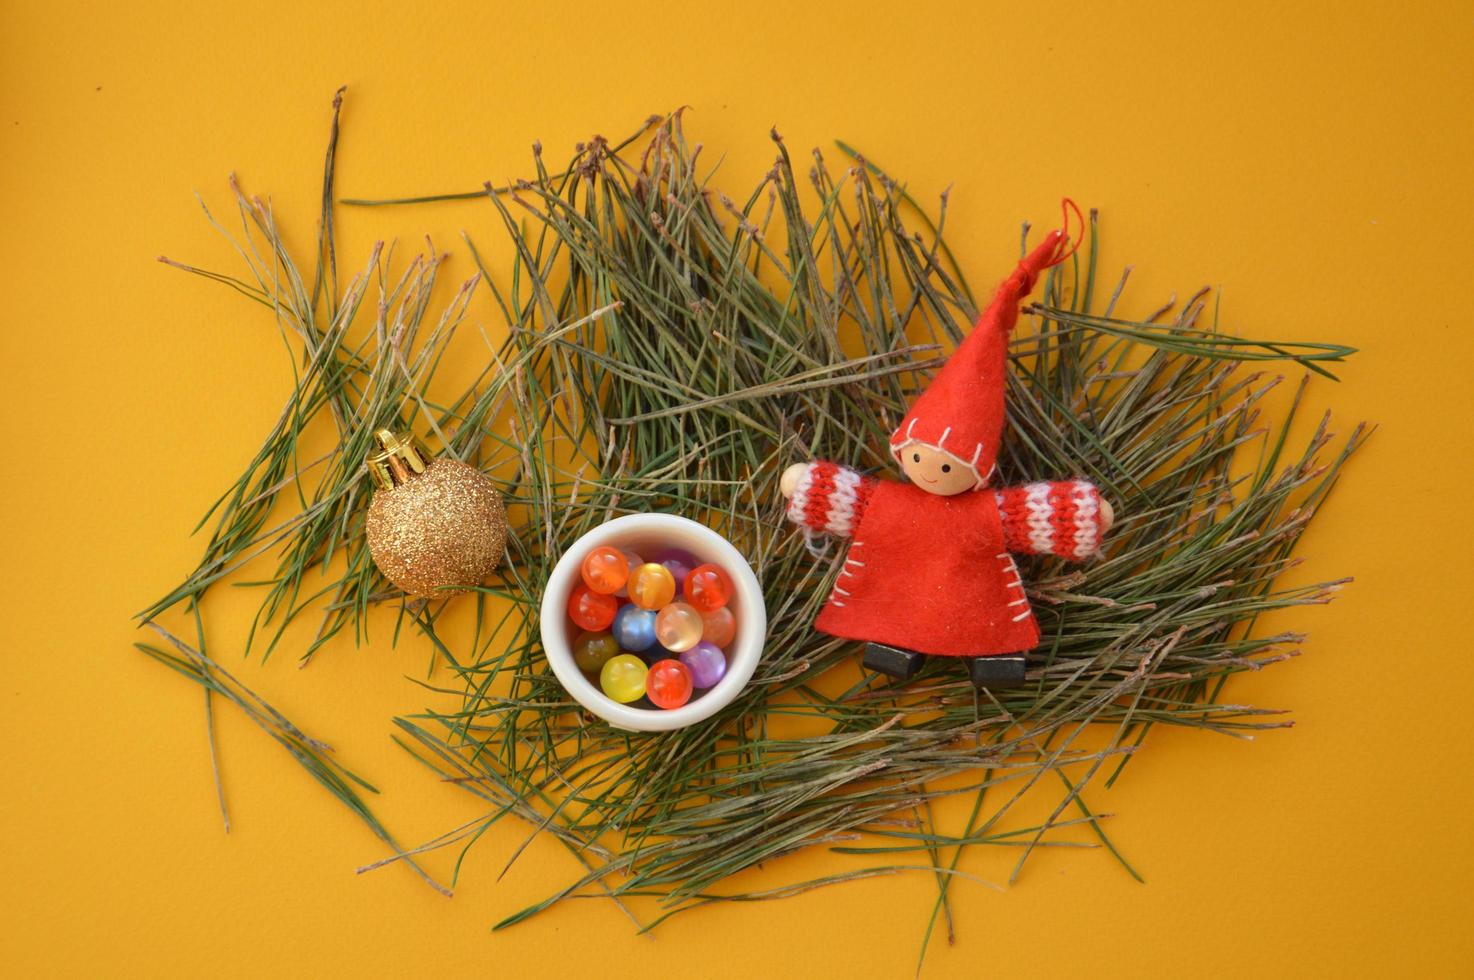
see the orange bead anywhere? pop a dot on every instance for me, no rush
(678, 627)
(708, 587)
(718, 627)
(652, 586)
(589, 610)
(605, 570)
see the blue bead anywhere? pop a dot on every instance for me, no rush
(634, 628)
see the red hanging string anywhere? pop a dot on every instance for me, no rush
(1061, 252)
(1056, 248)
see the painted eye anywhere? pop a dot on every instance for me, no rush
(916, 457)
(946, 467)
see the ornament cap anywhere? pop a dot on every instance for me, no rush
(399, 459)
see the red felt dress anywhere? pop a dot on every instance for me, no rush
(936, 574)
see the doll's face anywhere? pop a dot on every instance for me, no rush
(936, 470)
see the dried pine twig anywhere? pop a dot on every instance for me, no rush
(670, 348)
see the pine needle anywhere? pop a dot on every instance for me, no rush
(670, 348)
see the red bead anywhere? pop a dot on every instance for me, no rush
(590, 610)
(708, 588)
(669, 684)
(719, 627)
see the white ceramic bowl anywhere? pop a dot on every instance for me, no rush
(645, 534)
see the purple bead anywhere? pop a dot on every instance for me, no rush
(706, 663)
(675, 554)
(678, 561)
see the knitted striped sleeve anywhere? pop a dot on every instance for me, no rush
(830, 499)
(1060, 518)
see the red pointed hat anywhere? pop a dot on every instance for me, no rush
(961, 411)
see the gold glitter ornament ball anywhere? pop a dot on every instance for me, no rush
(432, 523)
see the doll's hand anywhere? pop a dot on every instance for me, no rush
(788, 482)
(1107, 515)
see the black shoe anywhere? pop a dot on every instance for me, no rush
(997, 673)
(898, 663)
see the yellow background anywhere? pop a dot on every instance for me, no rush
(1312, 161)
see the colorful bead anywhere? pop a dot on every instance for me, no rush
(706, 663)
(718, 627)
(678, 627)
(655, 650)
(605, 570)
(669, 684)
(589, 610)
(678, 561)
(652, 586)
(634, 628)
(708, 587)
(592, 650)
(623, 678)
(632, 561)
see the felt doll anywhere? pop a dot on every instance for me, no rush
(930, 569)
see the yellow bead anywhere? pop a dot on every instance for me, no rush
(652, 586)
(623, 678)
